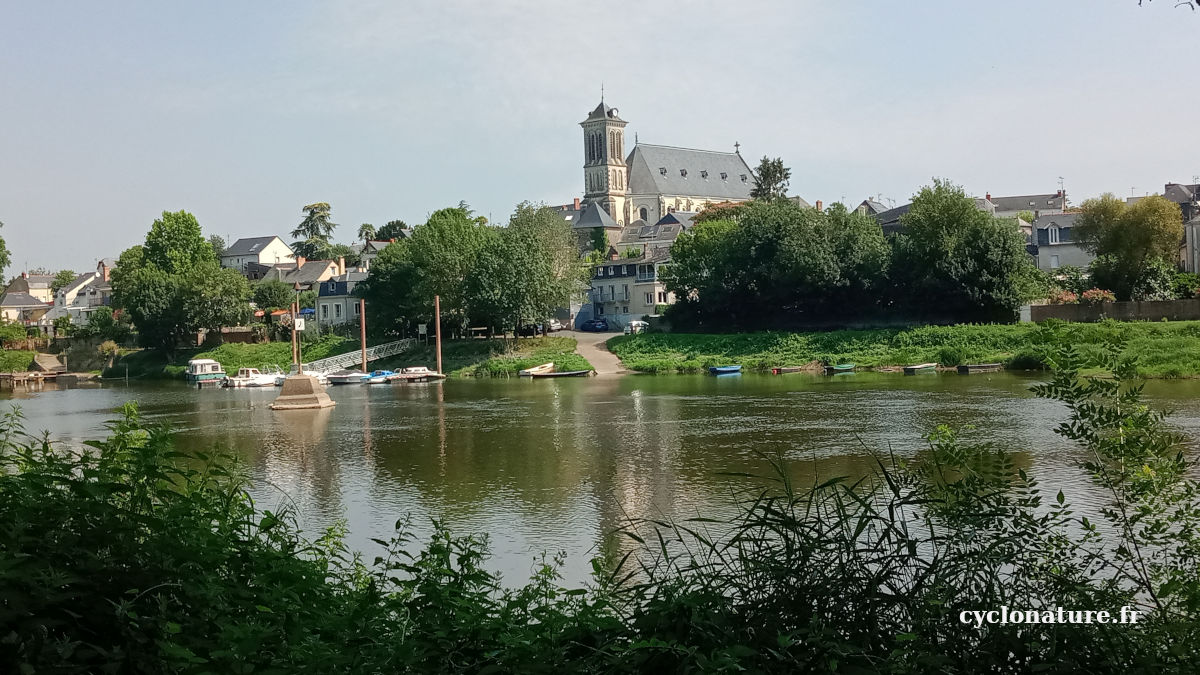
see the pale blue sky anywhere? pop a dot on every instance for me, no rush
(242, 112)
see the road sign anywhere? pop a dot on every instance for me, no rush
(299, 323)
(421, 328)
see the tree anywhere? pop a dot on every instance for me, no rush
(61, 279)
(770, 179)
(218, 244)
(172, 285)
(958, 260)
(366, 232)
(270, 294)
(5, 257)
(394, 229)
(1128, 239)
(313, 233)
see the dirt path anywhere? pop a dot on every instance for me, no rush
(591, 347)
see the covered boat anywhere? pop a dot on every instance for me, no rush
(251, 377)
(724, 370)
(204, 370)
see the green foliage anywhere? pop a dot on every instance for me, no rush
(173, 285)
(218, 244)
(5, 256)
(134, 556)
(1073, 279)
(1027, 216)
(11, 331)
(366, 232)
(270, 295)
(314, 232)
(493, 358)
(770, 179)
(1185, 285)
(61, 279)
(600, 241)
(394, 229)
(1157, 349)
(12, 360)
(104, 324)
(1131, 242)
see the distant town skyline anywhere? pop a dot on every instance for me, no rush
(242, 114)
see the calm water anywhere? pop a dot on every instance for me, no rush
(553, 465)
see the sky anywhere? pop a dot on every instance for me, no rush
(243, 112)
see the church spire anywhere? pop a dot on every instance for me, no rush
(604, 170)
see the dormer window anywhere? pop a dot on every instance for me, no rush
(662, 170)
(683, 173)
(704, 175)
(1053, 233)
(724, 176)
(743, 178)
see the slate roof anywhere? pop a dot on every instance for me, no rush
(1059, 219)
(1181, 194)
(1022, 202)
(681, 218)
(890, 220)
(78, 282)
(248, 246)
(603, 111)
(873, 207)
(638, 234)
(661, 169)
(594, 216)
(18, 299)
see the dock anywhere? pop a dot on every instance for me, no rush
(13, 380)
(971, 369)
(920, 367)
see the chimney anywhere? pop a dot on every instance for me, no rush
(341, 265)
(577, 203)
(820, 205)
(614, 256)
(104, 270)
(24, 275)
(987, 196)
(300, 261)
(1059, 194)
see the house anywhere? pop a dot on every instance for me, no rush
(71, 300)
(336, 302)
(23, 308)
(871, 207)
(593, 219)
(260, 250)
(36, 285)
(642, 237)
(370, 250)
(1040, 205)
(307, 273)
(624, 289)
(1188, 199)
(1053, 247)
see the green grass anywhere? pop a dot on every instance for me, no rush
(150, 364)
(15, 360)
(1160, 349)
(492, 358)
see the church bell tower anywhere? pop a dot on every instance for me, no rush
(604, 170)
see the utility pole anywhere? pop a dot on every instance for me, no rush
(295, 346)
(437, 329)
(362, 329)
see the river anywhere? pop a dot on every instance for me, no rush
(555, 465)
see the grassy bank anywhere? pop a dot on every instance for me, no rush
(1159, 349)
(493, 358)
(150, 364)
(15, 360)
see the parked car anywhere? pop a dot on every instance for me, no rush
(530, 330)
(595, 325)
(554, 325)
(636, 326)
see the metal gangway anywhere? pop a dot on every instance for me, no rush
(354, 358)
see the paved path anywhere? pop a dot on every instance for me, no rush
(591, 347)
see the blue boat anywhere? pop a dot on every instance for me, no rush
(725, 370)
(378, 377)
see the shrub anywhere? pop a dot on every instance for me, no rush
(1059, 296)
(1096, 296)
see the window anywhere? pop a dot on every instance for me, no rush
(649, 298)
(610, 271)
(625, 293)
(1053, 233)
(324, 311)
(724, 175)
(743, 178)
(683, 173)
(662, 170)
(1053, 262)
(662, 297)
(337, 310)
(643, 213)
(624, 269)
(624, 310)
(704, 175)
(645, 272)
(357, 307)
(599, 310)
(612, 292)
(599, 271)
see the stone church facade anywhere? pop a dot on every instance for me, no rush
(653, 180)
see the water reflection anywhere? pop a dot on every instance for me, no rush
(555, 464)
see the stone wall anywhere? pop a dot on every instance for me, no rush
(1171, 310)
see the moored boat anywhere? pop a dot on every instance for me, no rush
(251, 377)
(920, 368)
(204, 370)
(784, 370)
(347, 377)
(725, 370)
(835, 369)
(565, 373)
(544, 368)
(972, 368)
(378, 376)
(415, 374)
(322, 378)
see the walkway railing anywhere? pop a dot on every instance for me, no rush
(354, 358)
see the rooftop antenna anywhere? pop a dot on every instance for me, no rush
(1132, 192)
(1061, 184)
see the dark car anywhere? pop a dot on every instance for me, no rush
(530, 330)
(595, 325)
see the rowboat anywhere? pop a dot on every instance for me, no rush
(347, 377)
(378, 377)
(971, 369)
(537, 370)
(565, 373)
(724, 370)
(839, 368)
(783, 370)
(920, 368)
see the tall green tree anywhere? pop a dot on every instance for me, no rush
(5, 257)
(218, 244)
(61, 279)
(172, 285)
(1129, 240)
(314, 232)
(770, 179)
(271, 294)
(366, 232)
(394, 229)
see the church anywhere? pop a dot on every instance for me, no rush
(650, 182)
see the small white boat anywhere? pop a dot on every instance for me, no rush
(251, 377)
(537, 370)
(322, 378)
(416, 374)
(347, 377)
(378, 377)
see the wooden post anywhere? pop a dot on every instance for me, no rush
(362, 328)
(437, 329)
(295, 339)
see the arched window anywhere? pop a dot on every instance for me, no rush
(1053, 234)
(643, 213)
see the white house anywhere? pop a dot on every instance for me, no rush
(263, 250)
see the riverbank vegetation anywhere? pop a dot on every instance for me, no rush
(131, 556)
(1156, 349)
(15, 360)
(153, 364)
(494, 358)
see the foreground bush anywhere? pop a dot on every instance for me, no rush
(133, 557)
